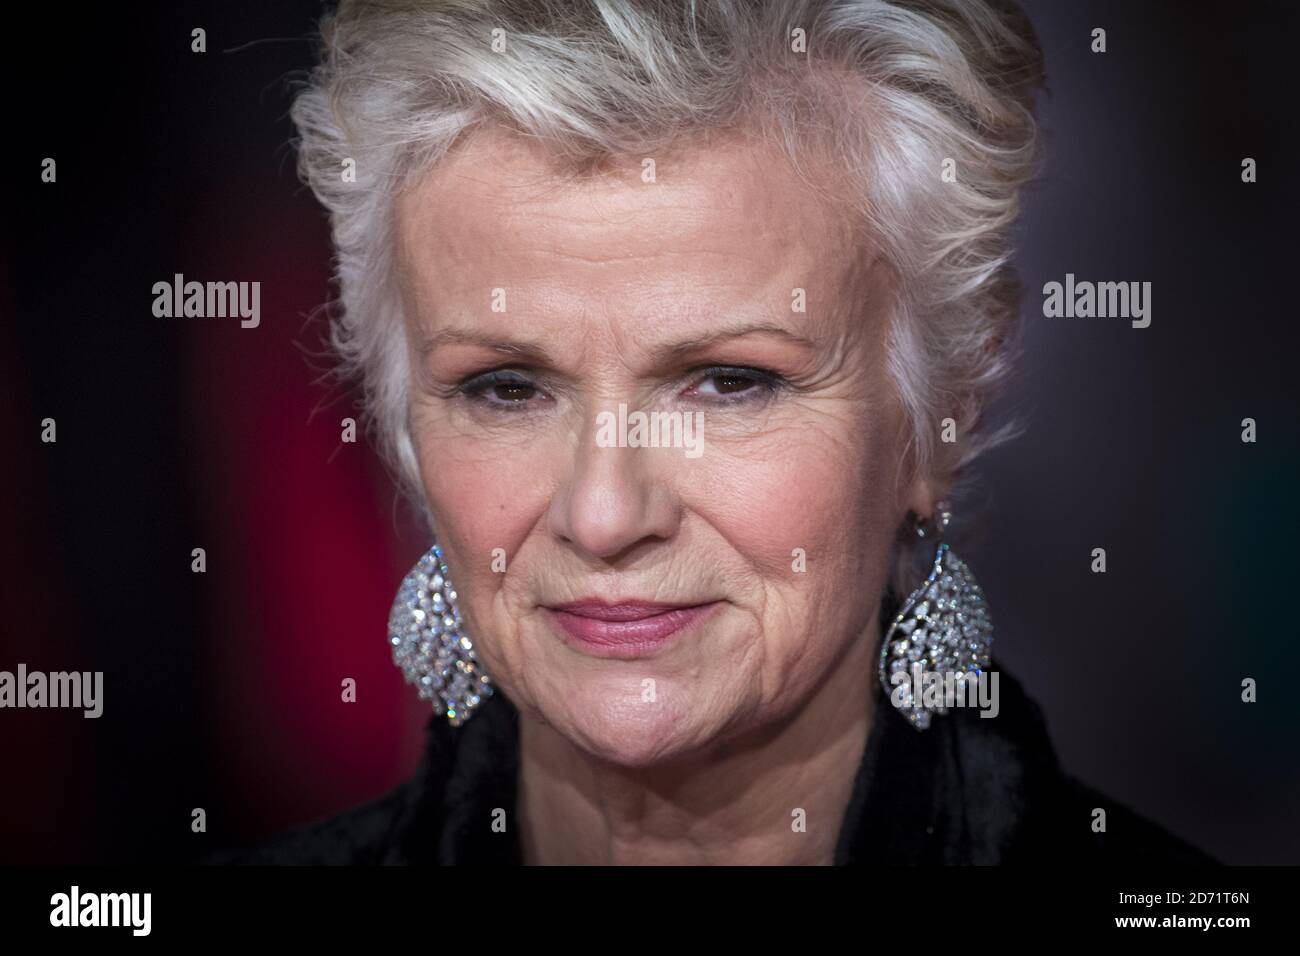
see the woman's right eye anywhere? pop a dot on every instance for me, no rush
(500, 389)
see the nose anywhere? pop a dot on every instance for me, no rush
(614, 499)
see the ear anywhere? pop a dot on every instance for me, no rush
(921, 498)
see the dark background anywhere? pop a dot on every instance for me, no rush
(222, 689)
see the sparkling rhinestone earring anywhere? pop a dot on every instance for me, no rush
(944, 626)
(430, 644)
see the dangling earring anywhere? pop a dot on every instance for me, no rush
(944, 626)
(429, 645)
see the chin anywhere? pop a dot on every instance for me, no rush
(617, 727)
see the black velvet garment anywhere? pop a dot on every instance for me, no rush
(969, 790)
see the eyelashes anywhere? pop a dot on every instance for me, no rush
(733, 384)
(504, 389)
(514, 390)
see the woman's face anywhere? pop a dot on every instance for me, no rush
(536, 308)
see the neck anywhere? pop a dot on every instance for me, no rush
(774, 795)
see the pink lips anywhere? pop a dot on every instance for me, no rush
(625, 628)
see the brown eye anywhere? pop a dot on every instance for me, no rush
(503, 389)
(726, 384)
(513, 391)
(735, 383)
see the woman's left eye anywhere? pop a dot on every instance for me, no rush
(734, 383)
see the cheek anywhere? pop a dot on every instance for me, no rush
(484, 505)
(826, 489)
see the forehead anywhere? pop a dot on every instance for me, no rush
(731, 221)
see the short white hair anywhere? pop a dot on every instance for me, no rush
(891, 91)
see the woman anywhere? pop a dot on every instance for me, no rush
(681, 320)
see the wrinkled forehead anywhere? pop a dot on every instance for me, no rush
(730, 225)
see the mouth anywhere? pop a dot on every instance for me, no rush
(625, 628)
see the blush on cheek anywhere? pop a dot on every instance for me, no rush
(805, 499)
(478, 507)
(839, 518)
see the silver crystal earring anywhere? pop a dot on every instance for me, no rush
(944, 626)
(430, 644)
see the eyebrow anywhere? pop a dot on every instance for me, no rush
(525, 350)
(530, 352)
(678, 349)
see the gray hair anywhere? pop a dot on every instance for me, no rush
(889, 90)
